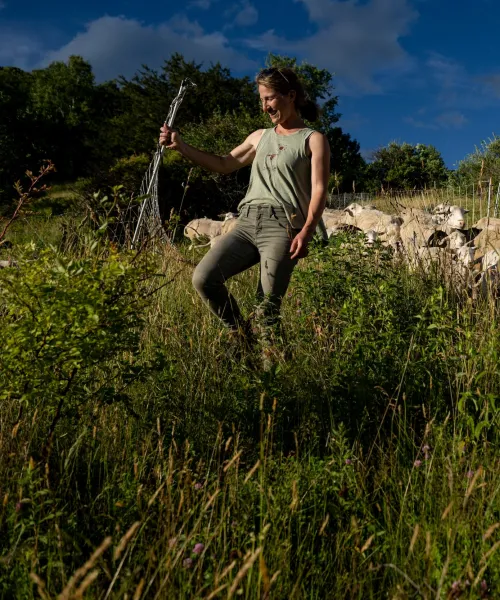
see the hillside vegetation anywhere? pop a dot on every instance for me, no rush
(138, 459)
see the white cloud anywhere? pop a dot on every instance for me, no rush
(203, 4)
(359, 42)
(117, 45)
(19, 49)
(246, 14)
(445, 120)
(451, 120)
(457, 88)
(492, 83)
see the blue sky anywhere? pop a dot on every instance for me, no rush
(407, 70)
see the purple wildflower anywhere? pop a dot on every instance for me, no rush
(188, 563)
(198, 549)
(19, 506)
(417, 463)
(348, 461)
(198, 485)
(470, 474)
(455, 586)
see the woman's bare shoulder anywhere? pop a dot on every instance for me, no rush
(255, 137)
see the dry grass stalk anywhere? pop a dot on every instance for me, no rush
(367, 544)
(252, 471)
(488, 533)
(242, 572)
(211, 500)
(86, 583)
(428, 545)
(472, 485)
(324, 524)
(495, 547)
(40, 584)
(295, 497)
(138, 589)
(216, 592)
(265, 575)
(414, 538)
(446, 511)
(155, 495)
(226, 571)
(82, 571)
(232, 461)
(125, 540)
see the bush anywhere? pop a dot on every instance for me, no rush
(70, 330)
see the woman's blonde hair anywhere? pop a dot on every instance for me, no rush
(284, 80)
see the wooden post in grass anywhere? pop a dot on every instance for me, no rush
(473, 204)
(495, 214)
(489, 198)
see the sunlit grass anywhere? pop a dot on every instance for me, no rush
(365, 465)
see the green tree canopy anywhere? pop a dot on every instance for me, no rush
(60, 113)
(16, 130)
(405, 167)
(481, 165)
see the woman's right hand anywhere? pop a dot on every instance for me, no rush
(170, 138)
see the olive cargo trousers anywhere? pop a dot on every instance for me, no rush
(262, 235)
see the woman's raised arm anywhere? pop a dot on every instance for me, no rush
(240, 156)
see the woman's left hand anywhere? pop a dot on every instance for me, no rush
(299, 247)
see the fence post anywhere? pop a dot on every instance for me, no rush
(489, 198)
(495, 214)
(473, 204)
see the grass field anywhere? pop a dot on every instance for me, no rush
(138, 459)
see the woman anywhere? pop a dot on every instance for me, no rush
(283, 205)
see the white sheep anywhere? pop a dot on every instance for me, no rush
(450, 216)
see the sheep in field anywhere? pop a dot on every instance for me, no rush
(198, 229)
(451, 217)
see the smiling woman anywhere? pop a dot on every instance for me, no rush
(280, 212)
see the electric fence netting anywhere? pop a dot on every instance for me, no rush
(149, 226)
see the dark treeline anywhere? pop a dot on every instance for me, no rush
(106, 132)
(100, 135)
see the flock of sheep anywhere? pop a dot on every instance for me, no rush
(468, 259)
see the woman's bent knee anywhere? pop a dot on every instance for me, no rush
(203, 281)
(199, 280)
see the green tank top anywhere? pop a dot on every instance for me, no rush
(281, 174)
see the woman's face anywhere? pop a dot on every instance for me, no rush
(276, 105)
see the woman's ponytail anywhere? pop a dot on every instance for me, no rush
(309, 111)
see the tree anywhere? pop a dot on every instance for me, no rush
(405, 167)
(346, 163)
(148, 94)
(481, 165)
(16, 131)
(64, 109)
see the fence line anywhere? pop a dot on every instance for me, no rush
(480, 199)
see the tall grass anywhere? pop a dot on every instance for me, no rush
(364, 465)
